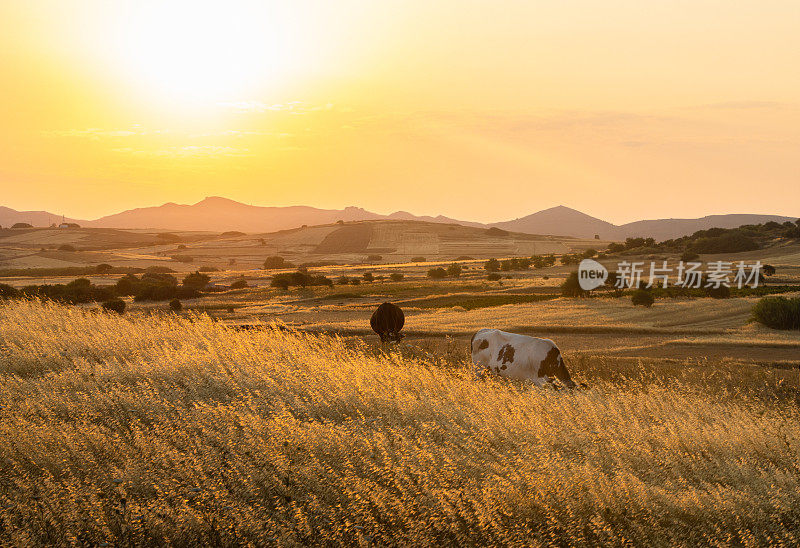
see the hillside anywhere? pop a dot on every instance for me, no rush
(216, 214)
(561, 220)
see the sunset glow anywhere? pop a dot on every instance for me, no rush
(331, 104)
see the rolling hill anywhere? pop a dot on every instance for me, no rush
(216, 214)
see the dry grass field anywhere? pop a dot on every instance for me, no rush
(154, 430)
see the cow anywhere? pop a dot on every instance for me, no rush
(387, 321)
(518, 357)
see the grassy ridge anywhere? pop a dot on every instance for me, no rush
(146, 431)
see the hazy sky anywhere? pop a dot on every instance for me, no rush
(483, 110)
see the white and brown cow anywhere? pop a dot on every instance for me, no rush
(518, 357)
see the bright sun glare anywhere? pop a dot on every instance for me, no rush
(205, 52)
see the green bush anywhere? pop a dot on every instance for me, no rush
(299, 279)
(778, 312)
(492, 265)
(114, 305)
(396, 276)
(642, 297)
(437, 273)
(196, 280)
(721, 292)
(239, 284)
(572, 287)
(493, 276)
(731, 242)
(419, 260)
(454, 270)
(104, 268)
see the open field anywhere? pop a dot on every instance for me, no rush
(153, 430)
(394, 241)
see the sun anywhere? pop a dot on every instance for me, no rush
(207, 51)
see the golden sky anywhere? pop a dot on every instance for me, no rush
(480, 110)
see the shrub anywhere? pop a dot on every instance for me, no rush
(778, 312)
(572, 287)
(492, 265)
(66, 247)
(280, 282)
(616, 247)
(493, 276)
(589, 253)
(276, 261)
(239, 284)
(114, 305)
(104, 268)
(642, 297)
(159, 270)
(454, 270)
(396, 276)
(437, 273)
(368, 277)
(688, 256)
(768, 270)
(196, 280)
(419, 260)
(732, 242)
(8, 292)
(301, 279)
(342, 280)
(175, 305)
(721, 292)
(355, 281)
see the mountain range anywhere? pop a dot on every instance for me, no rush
(216, 214)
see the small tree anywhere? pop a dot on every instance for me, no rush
(175, 305)
(196, 280)
(104, 268)
(493, 276)
(454, 270)
(396, 276)
(572, 287)
(368, 277)
(768, 270)
(437, 273)
(114, 305)
(276, 261)
(492, 265)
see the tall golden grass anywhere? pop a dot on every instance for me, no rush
(159, 430)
